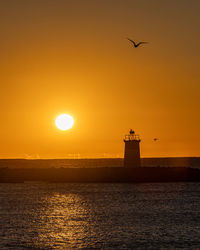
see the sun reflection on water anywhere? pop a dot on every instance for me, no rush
(64, 220)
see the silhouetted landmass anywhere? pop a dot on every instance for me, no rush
(100, 170)
(142, 174)
(103, 162)
(172, 162)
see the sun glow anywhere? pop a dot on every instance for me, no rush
(64, 122)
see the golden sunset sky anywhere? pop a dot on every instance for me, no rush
(62, 56)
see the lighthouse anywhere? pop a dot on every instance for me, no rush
(132, 150)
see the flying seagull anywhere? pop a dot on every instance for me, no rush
(155, 139)
(136, 44)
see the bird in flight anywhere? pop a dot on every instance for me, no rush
(136, 44)
(155, 139)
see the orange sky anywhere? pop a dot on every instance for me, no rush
(60, 56)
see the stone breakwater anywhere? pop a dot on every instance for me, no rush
(114, 174)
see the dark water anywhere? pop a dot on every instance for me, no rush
(108, 216)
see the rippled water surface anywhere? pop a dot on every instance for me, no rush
(109, 216)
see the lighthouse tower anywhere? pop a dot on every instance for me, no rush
(132, 150)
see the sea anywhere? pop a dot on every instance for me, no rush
(36, 215)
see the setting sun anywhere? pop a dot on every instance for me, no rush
(64, 122)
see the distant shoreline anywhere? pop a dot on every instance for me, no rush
(193, 162)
